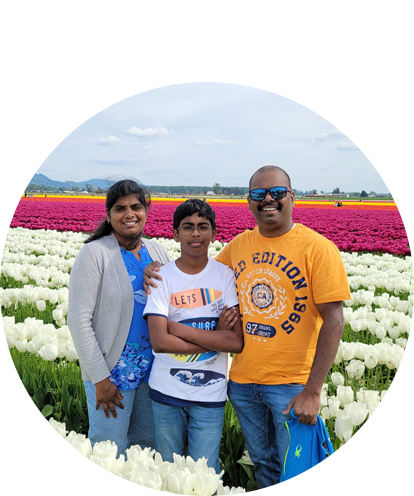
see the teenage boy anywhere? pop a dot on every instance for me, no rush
(193, 321)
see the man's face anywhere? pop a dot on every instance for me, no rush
(274, 217)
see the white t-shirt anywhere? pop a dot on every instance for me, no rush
(195, 300)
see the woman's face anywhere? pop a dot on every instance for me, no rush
(128, 217)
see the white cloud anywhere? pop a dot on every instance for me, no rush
(360, 145)
(214, 142)
(338, 132)
(109, 140)
(149, 132)
(335, 138)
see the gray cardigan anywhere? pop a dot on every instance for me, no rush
(101, 304)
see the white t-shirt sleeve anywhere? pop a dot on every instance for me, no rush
(158, 301)
(230, 291)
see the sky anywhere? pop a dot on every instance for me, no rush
(198, 134)
(63, 113)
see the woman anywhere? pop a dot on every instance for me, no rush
(106, 301)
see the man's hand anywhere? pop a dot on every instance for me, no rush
(151, 273)
(108, 395)
(305, 406)
(227, 318)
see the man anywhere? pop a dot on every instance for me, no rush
(291, 282)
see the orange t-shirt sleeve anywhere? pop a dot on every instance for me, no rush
(329, 280)
(224, 257)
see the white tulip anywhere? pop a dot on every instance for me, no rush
(41, 305)
(80, 442)
(210, 483)
(380, 332)
(394, 332)
(337, 379)
(144, 477)
(59, 427)
(356, 325)
(226, 490)
(343, 428)
(357, 411)
(345, 394)
(355, 369)
(49, 352)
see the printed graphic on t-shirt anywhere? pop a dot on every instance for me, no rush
(263, 293)
(196, 298)
(197, 378)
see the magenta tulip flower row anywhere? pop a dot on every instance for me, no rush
(351, 230)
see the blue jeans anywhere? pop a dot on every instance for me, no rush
(192, 430)
(133, 424)
(259, 408)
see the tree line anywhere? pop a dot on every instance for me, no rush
(217, 189)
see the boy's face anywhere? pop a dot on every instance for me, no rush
(194, 234)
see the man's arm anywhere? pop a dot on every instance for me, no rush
(228, 337)
(306, 405)
(163, 342)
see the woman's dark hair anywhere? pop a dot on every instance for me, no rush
(118, 190)
(194, 206)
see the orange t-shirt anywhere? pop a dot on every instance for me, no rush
(279, 282)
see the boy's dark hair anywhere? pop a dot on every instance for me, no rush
(194, 206)
(118, 190)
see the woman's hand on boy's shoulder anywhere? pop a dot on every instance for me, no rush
(151, 273)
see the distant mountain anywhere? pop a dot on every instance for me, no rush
(42, 180)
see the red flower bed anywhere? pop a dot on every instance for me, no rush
(350, 229)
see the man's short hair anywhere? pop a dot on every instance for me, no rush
(194, 206)
(270, 167)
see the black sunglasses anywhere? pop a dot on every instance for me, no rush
(277, 193)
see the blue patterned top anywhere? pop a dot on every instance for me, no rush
(134, 364)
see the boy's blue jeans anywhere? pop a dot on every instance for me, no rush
(259, 409)
(133, 424)
(192, 430)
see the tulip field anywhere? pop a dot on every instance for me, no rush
(43, 241)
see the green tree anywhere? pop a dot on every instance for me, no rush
(90, 188)
(336, 190)
(363, 194)
(217, 188)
